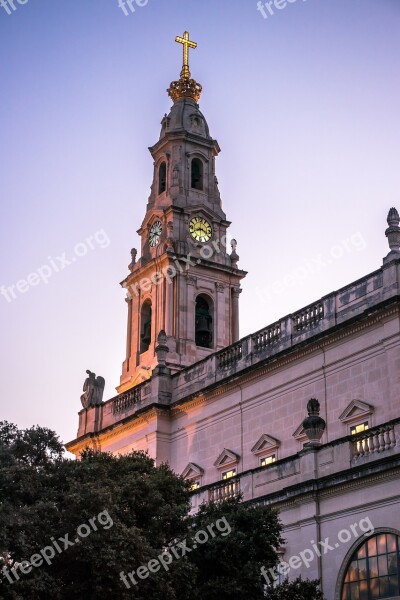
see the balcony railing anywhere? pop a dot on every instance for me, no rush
(321, 316)
(269, 485)
(227, 489)
(266, 337)
(373, 441)
(309, 317)
(230, 356)
(126, 400)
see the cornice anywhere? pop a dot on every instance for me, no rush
(313, 489)
(116, 429)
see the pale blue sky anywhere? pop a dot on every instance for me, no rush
(304, 104)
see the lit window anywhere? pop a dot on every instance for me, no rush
(268, 460)
(194, 486)
(373, 570)
(229, 474)
(359, 428)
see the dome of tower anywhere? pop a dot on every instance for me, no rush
(185, 115)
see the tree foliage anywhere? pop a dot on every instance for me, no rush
(229, 567)
(44, 497)
(298, 589)
(104, 516)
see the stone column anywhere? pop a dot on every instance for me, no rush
(191, 286)
(128, 300)
(236, 291)
(169, 307)
(220, 317)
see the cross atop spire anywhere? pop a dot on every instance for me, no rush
(186, 87)
(187, 43)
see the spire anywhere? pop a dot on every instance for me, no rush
(185, 87)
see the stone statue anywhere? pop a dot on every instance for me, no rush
(93, 390)
(234, 255)
(175, 175)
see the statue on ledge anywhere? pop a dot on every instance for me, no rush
(93, 390)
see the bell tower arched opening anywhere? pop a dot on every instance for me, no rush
(145, 326)
(204, 321)
(197, 174)
(162, 178)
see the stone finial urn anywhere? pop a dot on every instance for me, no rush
(314, 425)
(234, 255)
(162, 348)
(393, 235)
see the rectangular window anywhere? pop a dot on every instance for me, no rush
(194, 486)
(229, 474)
(268, 460)
(359, 428)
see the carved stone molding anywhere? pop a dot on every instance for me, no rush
(226, 459)
(266, 444)
(192, 471)
(191, 280)
(356, 411)
(236, 291)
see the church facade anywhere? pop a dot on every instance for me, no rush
(303, 415)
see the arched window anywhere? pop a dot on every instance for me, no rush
(145, 326)
(373, 572)
(197, 174)
(162, 178)
(203, 322)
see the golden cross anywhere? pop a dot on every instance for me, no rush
(186, 45)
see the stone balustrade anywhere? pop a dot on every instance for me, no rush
(333, 462)
(230, 356)
(224, 490)
(313, 320)
(309, 317)
(127, 400)
(373, 442)
(266, 337)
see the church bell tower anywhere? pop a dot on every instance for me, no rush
(186, 282)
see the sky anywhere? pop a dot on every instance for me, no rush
(304, 104)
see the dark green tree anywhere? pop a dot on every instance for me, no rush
(137, 509)
(228, 565)
(298, 589)
(92, 523)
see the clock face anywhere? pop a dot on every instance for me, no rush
(155, 233)
(200, 229)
